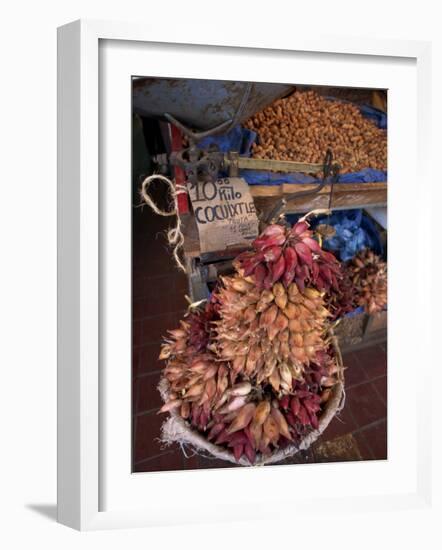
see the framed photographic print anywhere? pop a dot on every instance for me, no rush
(224, 259)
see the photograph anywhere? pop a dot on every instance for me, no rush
(259, 274)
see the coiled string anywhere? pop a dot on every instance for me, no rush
(175, 236)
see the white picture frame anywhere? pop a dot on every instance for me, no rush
(82, 397)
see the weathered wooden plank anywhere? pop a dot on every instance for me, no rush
(344, 196)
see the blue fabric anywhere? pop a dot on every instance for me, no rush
(256, 177)
(238, 139)
(355, 312)
(365, 175)
(377, 116)
(354, 232)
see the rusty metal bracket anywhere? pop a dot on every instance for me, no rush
(198, 164)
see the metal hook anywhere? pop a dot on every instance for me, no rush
(327, 169)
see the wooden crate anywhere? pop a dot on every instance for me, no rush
(350, 331)
(361, 330)
(376, 323)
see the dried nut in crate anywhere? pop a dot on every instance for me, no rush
(304, 125)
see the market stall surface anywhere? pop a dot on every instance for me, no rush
(359, 433)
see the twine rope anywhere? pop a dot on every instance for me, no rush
(175, 235)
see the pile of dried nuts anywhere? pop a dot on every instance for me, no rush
(304, 125)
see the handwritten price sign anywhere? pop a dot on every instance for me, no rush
(225, 214)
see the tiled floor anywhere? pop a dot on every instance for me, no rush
(359, 433)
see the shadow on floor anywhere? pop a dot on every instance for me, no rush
(48, 511)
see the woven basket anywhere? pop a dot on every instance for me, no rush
(177, 430)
